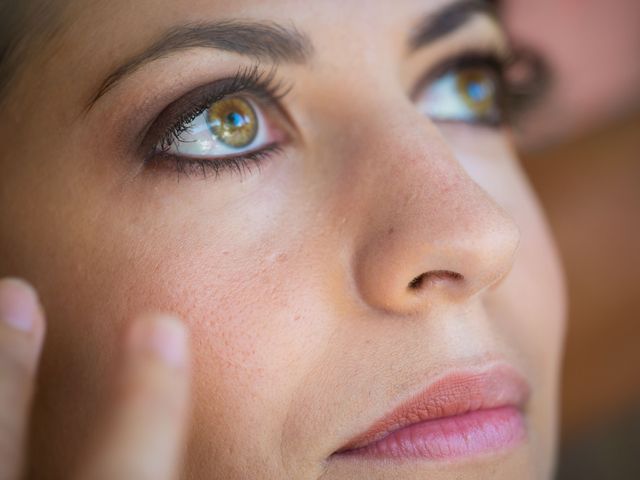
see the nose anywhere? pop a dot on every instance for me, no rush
(430, 232)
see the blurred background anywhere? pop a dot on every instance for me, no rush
(581, 148)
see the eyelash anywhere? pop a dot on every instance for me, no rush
(264, 87)
(241, 164)
(492, 62)
(260, 85)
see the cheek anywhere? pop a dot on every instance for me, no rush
(535, 295)
(529, 307)
(535, 289)
(237, 303)
(255, 326)
(252, 341)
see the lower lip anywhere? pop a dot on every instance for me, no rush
(473, 433)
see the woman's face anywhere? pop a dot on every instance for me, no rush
(324, 191)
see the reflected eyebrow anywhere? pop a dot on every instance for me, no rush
(262, 41)
(436, 25)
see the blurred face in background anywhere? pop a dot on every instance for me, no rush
(591, 49)
(326, 192)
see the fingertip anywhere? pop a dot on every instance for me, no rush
(163, 336)
(20, 307)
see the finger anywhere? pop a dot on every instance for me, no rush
(146, 434)
(21, 334)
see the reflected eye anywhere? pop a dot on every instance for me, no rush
(470, 94)
(228, 127)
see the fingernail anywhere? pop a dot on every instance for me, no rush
(164, 337)
(19, 305)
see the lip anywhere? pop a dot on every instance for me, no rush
(462, 413)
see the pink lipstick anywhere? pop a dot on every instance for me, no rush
(462, 414)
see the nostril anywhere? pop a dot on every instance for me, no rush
(434, 276)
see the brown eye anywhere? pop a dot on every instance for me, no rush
(466, 94)
(477, 88)
(233, 122)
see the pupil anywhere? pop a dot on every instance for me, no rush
(235, 119)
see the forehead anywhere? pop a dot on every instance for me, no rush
(118, 28)
(144, 17)
(98, 36)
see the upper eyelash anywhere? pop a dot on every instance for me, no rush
(265, 86)
(260, 84)
(498, 63)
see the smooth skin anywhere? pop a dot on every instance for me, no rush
(295, 279)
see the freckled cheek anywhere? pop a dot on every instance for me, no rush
(243, 308)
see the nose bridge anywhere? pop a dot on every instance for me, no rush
(428, 230)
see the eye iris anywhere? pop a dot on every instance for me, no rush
(233, 121)
(477, 89)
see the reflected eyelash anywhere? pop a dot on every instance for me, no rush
(261, 85)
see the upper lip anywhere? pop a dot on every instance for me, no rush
(454, 393)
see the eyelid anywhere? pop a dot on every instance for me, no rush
(251, 82)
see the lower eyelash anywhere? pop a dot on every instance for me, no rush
(206, 168)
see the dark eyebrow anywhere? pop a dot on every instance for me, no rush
(437, 25)
(262, 41)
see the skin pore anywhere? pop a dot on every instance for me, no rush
(374, 250)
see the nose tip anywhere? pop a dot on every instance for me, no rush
(422, 265)
(425, 231)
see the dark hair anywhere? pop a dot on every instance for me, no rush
(23, 24)
(11, 25)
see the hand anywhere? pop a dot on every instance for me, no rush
(146, 424)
